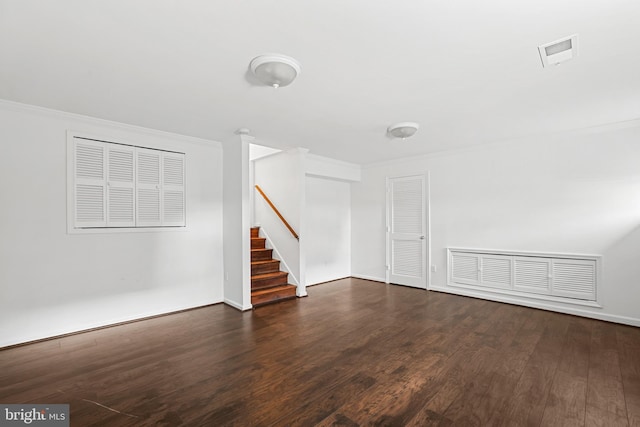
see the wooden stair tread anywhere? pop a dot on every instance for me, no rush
(273, 295)
(264, 261)
(265, 266)
(273, 289)
(269, 280)
(261, 254)
(269, 275)
(258, 243)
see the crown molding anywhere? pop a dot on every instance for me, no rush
(49, 112)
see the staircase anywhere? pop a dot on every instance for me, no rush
(268, 283)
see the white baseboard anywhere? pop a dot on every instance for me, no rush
(238, 306)
(632, 321)
(365, 277)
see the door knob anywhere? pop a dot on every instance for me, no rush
(421, 237)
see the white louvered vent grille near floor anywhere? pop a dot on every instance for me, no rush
(531, 274)
(466, 267)
(573, 279)
(496, 272)
(566, 277)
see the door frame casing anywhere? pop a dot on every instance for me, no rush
(427, 205)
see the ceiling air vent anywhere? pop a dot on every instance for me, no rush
(559, 51)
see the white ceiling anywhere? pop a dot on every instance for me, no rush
(468, 71)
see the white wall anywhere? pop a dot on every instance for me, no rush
(52, 282)
(328, 229)
(257, 151)
(574, 193)
(331, 168)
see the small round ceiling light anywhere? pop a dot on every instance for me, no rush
(403, 130)
(275, 70)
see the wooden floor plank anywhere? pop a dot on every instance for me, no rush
(355, 352)
(526, 405)
(566, 402)
(605, 390)
(596, 417)
(510, 366)
(629, 357)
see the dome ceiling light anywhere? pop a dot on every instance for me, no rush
(275, 70)
(403, 130)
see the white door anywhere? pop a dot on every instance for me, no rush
(407, 249)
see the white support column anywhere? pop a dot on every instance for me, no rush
(237, 223)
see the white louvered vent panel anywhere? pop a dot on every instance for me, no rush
(574, 278)
(89, 204)
(465, 268)
(173, 170)
(148, 206)
(148, 167)
(173, 208)
(121, 206)
(148, 199)
(496, 271)
(121, 165)
(89, 161)
(532, 274)
(407, 202)
(121, 185)
(571, 278)
(407, 258)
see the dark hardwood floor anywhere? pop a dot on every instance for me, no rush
(353, 353)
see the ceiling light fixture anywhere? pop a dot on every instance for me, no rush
(275, 70)
(403, 130)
